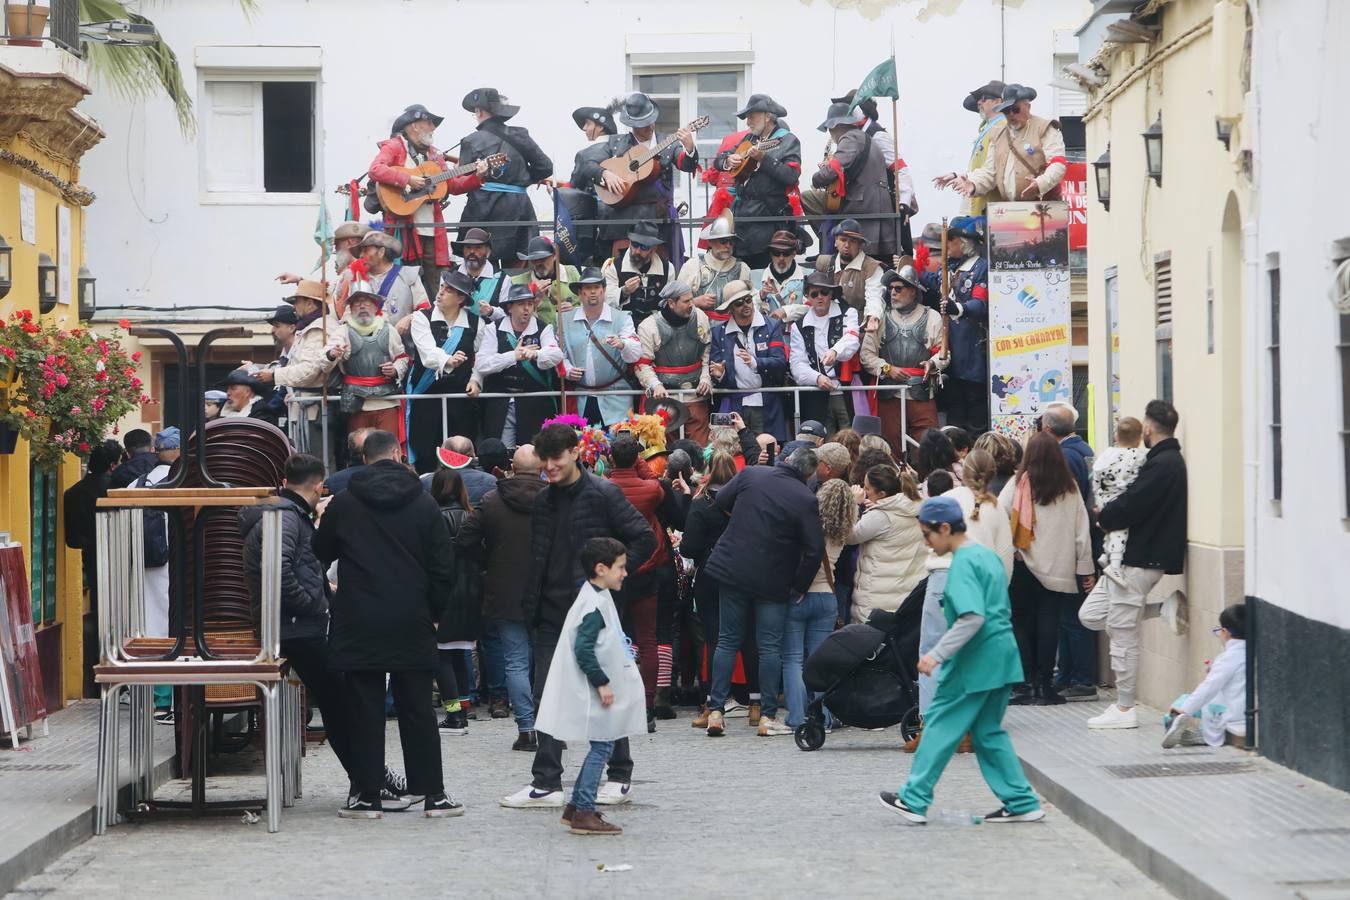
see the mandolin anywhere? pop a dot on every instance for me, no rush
(638, 166)
(405, 201)
(748, 166)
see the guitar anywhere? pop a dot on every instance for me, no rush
(405, 201)
(834, 194)
(748, 166)
(638, 166)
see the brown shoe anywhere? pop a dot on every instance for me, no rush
(715, 726)
(702, 720)
(569, 812)
(913, 743)
(498, 708)
(964, 746)
(753, 719)
(588, 821)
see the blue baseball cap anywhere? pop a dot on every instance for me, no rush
(168, 439)
(941, 510)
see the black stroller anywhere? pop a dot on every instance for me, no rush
(867, 674)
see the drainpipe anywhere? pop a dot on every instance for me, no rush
(1252, 297)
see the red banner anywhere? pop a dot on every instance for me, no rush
(18, 648)
(1075, 193)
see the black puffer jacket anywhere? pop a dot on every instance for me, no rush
(1153, 507)
(304, 590)
(598, 510)
(499, 533)
(461, 615)
(393, 552)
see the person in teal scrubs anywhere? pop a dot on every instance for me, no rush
(979, 665)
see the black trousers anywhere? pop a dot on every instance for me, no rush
(326, 688)
(548, 768)
(966, 404)
(1036, 612)
(452, 675)
(417, 730)
(431, 273)
(427, 427)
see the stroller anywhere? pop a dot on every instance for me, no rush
(867, 674)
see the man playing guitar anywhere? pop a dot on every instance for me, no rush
(409, 145)
(766, 181)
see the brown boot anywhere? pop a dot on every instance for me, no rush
(715, 726)
(588, 821)
(964, 746)
(569, 811)
(913, 743)
(702, 720)
(753, 719)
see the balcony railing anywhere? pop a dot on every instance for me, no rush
(51, 21)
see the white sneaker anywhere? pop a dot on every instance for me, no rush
(529, 797)
(1184, 731)
(1115, 717)
(734, 710)
(770, 727)
(612, 793)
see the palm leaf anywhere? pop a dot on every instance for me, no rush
(137, 71)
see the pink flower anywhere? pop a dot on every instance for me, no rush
(30, 414)
(135, 382)
(136, 357)
(75, 411)
(98, 404)
(8, 352)
(62, 380)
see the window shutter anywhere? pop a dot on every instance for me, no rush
(233, 135)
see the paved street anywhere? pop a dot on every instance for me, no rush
(742, 816)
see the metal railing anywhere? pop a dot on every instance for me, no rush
(56, 21)
(297, 416)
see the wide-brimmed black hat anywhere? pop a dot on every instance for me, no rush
(1014, 94)
(638, 110)
(491, 100)
(516, 293)
(583, 114)
(588, 275)
(991, 91)
(474, 236)
(247, 378)
(866, 425)
(838, 114)
(678, 412)
(457, 281)
(868, 106)
(821, 280)
(762, 103)
(537, 248)
(415, 113)
(850, 228)
(645, 234)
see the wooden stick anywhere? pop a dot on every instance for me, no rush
(895, 173)
(560, 317)
(946, 288)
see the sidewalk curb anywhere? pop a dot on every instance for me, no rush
(45, 849)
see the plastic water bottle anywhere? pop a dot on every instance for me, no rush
(959, 818)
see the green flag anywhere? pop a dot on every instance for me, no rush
(323, 234)
(880, 82)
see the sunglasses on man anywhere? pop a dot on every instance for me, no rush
(816, 293)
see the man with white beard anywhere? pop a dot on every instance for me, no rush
(345, 238)
(373, 362)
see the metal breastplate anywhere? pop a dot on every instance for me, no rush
(679, 347)
(905, 347)
(712, 282)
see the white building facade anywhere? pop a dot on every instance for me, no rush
(1298, 390)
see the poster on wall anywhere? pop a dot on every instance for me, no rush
(27, 213)
(1030, 338)
(63, 277)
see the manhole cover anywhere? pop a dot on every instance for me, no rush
(36, 767)
(1170, 770)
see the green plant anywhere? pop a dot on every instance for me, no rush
(64, 390)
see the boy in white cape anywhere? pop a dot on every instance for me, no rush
(594, 690)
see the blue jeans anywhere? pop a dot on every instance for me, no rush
(809, 622)
(513, 641)
(588, 782)
(492, 681)
(1077, 646)
(932, 627)
(735, 608)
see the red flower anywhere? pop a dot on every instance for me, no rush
(136, 357)
(27, 315)
(8, 352)
(123, 323)
(62, 380)
(129, 371)
(135, 382)
(30, 414)
(29, 327)
(84, 447)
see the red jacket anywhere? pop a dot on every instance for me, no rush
(384, 170)
(645, 494)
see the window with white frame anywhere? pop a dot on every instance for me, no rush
(256, 133)
(684, 94)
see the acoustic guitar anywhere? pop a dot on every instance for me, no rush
(834, 194)
(406, 201)
(638, 166)
(748, 165)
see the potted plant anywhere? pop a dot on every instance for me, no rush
(63, 390)
(24, 22)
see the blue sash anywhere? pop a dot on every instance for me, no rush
(428, 376)
(530, 368)
(500, 188)
(389, 280)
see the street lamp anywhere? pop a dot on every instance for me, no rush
(86, 289)
(46, 283)
(1153, 150)
(5, 282)
(1102, 170)
(1223, 131)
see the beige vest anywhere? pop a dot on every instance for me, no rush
(853, 281)
(1000, 146)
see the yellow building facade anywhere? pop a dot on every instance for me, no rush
(1166, 286)
(42, 212)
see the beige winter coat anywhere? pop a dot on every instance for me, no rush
(891, 554)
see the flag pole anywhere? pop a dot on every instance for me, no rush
(895, 140)
(557, 303)
(323, 320)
